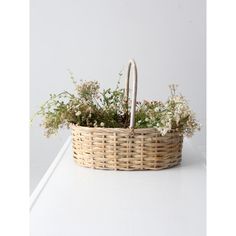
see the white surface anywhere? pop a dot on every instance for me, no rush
(81, 201)
(35, 194)
(95, 39)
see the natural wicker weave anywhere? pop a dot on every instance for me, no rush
(126, 149)
(118, 149)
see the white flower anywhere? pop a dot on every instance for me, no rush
(146, 119)
(102, 124)
(164, 131)
(177, 118)
(78, 113)
(95, 123)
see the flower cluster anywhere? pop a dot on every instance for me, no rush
(175, 114)
(88, 106)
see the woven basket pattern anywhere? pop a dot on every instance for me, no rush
(121, 149)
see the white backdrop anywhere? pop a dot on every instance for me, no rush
(95, 39)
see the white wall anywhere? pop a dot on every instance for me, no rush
(95, 39)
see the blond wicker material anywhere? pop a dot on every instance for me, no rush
(121, 149)
(126, 149)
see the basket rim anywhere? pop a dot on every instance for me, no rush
(139, 130)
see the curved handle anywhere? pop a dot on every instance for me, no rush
(132, 65)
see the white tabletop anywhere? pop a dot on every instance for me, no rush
(72, 200)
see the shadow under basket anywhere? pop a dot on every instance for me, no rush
(121, 149)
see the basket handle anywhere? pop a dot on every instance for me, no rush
(132, 65)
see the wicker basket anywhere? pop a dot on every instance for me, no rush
(126, 149)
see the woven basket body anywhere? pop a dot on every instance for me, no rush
(119, 149)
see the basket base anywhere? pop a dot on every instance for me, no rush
(129, 168)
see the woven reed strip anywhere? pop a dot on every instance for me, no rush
(115, 157)
(128, 152)
(91, 149)
(115, 149)
(104, 150)
(156, 151)
(141, 161)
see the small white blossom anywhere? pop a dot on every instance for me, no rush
(102, 124)
(78, 113)
(157, 109)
